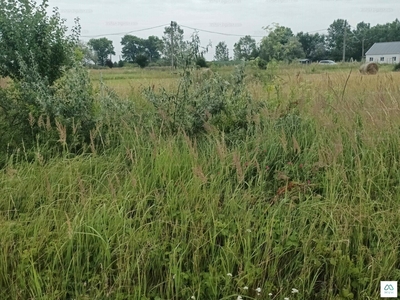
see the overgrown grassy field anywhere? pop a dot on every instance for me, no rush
(302, 204)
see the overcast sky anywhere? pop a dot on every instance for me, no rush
(240, 17)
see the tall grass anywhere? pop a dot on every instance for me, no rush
(308, 201)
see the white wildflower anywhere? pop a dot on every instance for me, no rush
(246, 288)
(270, 294)
(229, 274)
(193, 297)
(239, 298)
(295, 291)
(286, 298)
(258, 290)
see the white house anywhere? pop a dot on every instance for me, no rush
(384, 53)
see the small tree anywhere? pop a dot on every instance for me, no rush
(29, 36)
(173, 42)
(245, 48)
(132, 46)
(153, 47)
(280, 44)
(221, 52)
(103, 48)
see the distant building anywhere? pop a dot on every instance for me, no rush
(384, 53)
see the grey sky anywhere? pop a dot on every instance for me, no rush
(100, 17)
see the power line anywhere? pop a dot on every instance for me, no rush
(184, 26)
(123, 33)
(221, 33)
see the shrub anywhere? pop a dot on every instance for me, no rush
(396, 67)
(36, 112)
(212, 102)
(109, 63)
(261, 63)
(121, 63)
(29, 36)
(142, 61)
(201, 62)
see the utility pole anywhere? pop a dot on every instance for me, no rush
(362, 51)
(344, 42)
(172, 44)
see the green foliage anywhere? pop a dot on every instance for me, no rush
(336, 33)
(103, 48)
(245, 48)
(132, 46)
(109, 63)
(173, 43)
(281, 45)
(261, 63)
(34, 112)
(204, 100)
(153, 47)
(201, 62)
(30, 36)
(142, 61)
(313, 45)
(121, 63)
(396, 67)
(221, 52)
(85, 54)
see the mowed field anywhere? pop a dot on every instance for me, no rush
(305, 205)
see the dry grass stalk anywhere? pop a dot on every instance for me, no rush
(369, 68)
(31, 120)
(198, 173)
(296, 145)
(238, 166)
(221, 149)
(62, 132)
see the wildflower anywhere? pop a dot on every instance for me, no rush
(246, 288)
(229, 274)
(193, 297)
(295, 291)
(239, 298)
(270, 294)
(258, 290)
(287, 298)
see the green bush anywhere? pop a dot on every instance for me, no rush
(199, 104)
(30, 36)
(261, 63)
(201, 62)
(396, 67)
(121, 63)
(142, 61)
(109, 63)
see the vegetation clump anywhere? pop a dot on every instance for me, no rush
(242, 184)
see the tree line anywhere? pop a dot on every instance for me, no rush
(279, 43)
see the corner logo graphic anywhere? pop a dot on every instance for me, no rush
(388, 289)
